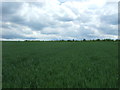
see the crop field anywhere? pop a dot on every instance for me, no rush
(60, 64)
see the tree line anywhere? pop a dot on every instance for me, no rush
(73, 40)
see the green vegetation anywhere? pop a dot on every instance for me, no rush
(60, 64)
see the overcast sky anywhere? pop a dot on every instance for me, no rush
(59, 19)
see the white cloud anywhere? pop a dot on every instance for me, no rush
(57, 19)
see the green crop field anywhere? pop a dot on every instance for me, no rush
(60, 64)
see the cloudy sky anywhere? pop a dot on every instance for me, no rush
(59, 19)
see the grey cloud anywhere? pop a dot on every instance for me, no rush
(16, 36)
(10, 33)
(9, 15)
(14, 19)
(36, 26)
(84, 19)
(108, 30)
(12, 36)
(109, 19)
(9, 10)
(104, 28)
(37, 4)
(43, 32)
(86, 33)
(119, 17)
(21, 21)
(65, 19)
(15, 31)
(71, 0)
(5, 26)
(10, 7)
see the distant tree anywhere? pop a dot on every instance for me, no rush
(97, 39)
(117, 40)
(93, 40)
(84, 39)
(69, 40)
(107, 40)
(62, 40)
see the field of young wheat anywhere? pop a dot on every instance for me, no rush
(60, 64)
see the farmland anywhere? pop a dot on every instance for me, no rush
(60, 64)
